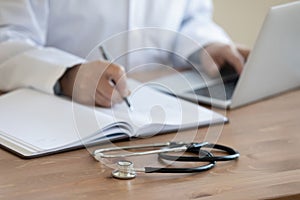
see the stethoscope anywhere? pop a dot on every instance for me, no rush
(125, 169)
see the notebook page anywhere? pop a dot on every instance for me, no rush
(45, 121)
(155, 112)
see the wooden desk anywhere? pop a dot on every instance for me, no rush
(267, 134)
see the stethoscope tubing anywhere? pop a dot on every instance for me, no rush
(198, 169)
(180, 170)
(196, 149)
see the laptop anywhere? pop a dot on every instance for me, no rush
(272, 67)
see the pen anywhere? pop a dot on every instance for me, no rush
(106, 57)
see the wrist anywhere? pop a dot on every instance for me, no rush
(66, 82)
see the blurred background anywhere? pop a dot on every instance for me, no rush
(242, 19)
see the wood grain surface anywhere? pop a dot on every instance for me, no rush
(267, 135)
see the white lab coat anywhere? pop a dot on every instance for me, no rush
(39, 39)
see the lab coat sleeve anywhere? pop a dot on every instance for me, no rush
(198, 28)
(24, 59)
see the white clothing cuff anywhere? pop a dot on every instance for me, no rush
(39, 68)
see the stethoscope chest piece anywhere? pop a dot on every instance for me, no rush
(125, 170)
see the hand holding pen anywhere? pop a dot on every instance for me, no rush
(91, 83)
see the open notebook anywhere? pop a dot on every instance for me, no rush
(33, 123)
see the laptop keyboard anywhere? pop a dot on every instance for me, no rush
(218, 91)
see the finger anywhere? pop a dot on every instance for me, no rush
(235, 59)
(244, 51)
(102, 101)
(209, 65)
(108, 91)
(117, 73)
